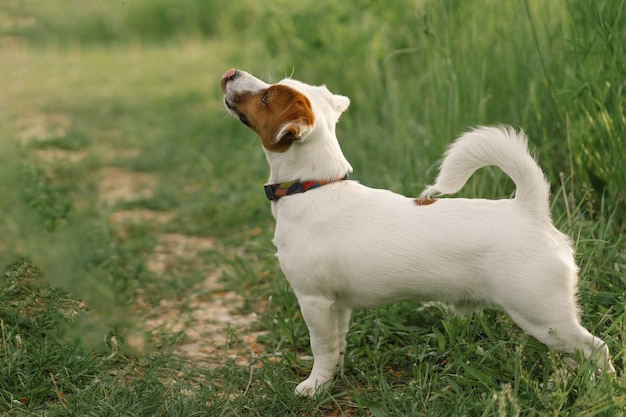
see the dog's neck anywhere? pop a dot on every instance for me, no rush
(312, 159)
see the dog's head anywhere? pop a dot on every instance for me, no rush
(281, 113)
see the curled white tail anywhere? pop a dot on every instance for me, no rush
(504, 148)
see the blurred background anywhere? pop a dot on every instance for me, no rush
(418, 72)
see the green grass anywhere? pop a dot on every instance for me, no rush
(132, 89)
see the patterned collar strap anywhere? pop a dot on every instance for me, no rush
(276, 191)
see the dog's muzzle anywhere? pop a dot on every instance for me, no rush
(230, 75)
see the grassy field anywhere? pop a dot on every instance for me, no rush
(135, 238)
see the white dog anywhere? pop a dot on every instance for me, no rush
(342, 245)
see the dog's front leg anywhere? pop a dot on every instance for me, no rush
(328, 326)
(343, 324)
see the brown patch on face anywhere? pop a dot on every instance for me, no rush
(424, 201)
(277, 114)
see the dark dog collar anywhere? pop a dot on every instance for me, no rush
(281, 189)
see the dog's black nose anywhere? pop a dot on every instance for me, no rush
(229, 75)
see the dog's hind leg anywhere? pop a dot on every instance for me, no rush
(565, 335)
(327, 328)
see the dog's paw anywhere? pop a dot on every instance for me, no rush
(311, 387)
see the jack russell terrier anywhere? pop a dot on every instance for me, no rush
(343, 245)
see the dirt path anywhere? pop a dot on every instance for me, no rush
(207, 320)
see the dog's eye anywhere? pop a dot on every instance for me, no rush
(264, 98)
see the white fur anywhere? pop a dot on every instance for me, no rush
(345, 246)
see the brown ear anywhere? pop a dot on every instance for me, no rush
(288, 132)
(294, 121)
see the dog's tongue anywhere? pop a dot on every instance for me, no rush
(225, 78)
